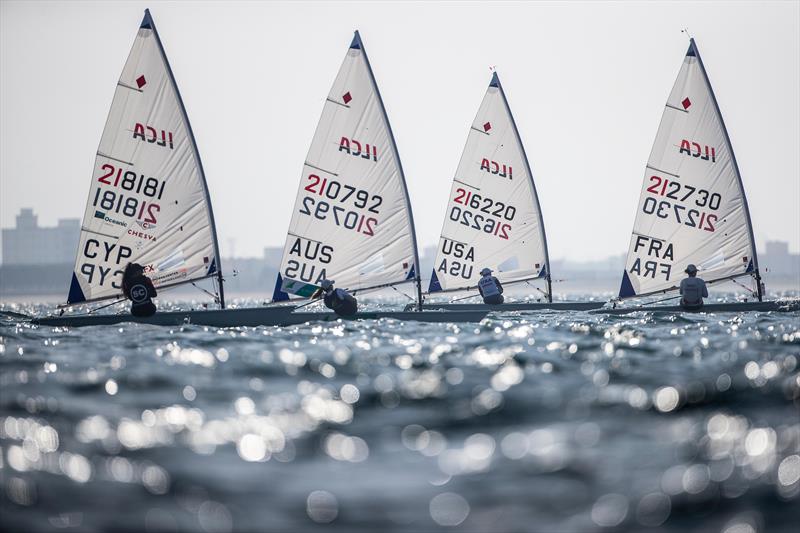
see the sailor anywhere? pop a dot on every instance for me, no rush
(139, 289)
(339, 301)
(490, 288)
(693, 290)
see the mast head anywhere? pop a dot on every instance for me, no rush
(692, 52)
(495, 80)
(147, 21)
(356, 41)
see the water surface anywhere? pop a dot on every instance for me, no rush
(526, 422)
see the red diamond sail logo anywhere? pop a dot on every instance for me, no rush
(686, 103)
(140, 81)
(347, 97)
(487, 126)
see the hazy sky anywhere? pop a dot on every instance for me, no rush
(586, 83)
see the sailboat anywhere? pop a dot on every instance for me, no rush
(148, 200)
(493, 215)
(352, 221)
(692, 207)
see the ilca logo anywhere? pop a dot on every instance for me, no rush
(694, 149)
(356, 149)
(498, 169)
(150, 134)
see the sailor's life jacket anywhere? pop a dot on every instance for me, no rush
(341, 302)
(491, 290)
(139, 289)
(693, 290)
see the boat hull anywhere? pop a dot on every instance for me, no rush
(221, 318)
(424, 316)
(252, 317)
(513, 306)
(735, 307)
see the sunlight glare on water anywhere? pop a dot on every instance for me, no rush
(569, 421)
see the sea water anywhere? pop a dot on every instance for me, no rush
(544, 421)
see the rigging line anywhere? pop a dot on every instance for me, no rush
(301, 237)
(465, 297)
(401, 292)
(87, 230)
(745, 287)
(101, 154)
(129, 87)
(214, 296)
(663, 171)
(321, 169)
(384, 286)
(106, 305)
(676, 108)
(337, 103)
(312, 301)
(662, 300)
(480, 131)
(454, 240)
(474, 288)
(535, 287)
(466, 184)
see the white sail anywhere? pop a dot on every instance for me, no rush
(692, 208)
(352, 219)
(493, 217)
(148, 202)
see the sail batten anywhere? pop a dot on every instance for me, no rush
(148, 201)
(692, 208)
(352, 220)
(493, 217)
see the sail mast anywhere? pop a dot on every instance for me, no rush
(417, 279)
(543, 233)
(756, 273)
(148, 22)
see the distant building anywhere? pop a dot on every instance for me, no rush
(777, 260)
(30, 244)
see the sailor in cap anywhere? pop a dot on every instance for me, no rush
(490, 288)
(339, 301)
(693, 290)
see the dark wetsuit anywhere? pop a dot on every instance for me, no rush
(140, 291)
(491, 290)
(341, 302)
